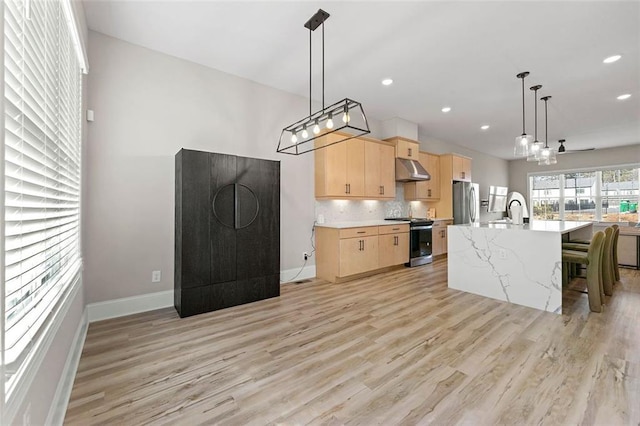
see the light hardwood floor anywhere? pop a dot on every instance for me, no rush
(396, 348)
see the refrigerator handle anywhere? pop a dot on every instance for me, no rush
(472, 204)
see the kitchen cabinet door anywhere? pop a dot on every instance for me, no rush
(461, 168)
(387, 171)
(372, 160)
(439, 237)
(339, 169)
(358, 255)
(426, 190)
(355, 167)
(432, 164)
(408, 149)
(379, 171)
(394, 249)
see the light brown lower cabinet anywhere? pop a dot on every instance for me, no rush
(439, 236)
(346, 252)
(393, 249)
(358, 255)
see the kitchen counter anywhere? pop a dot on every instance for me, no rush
(562, 227)
(359, 224)
(520, 264)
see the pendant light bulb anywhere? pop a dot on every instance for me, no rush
(330, 122)
(305, 134)
(523, 142)
(345, 116)
(294, 137)
(536, 146)
(316, 128)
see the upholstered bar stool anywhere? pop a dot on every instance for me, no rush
(608, 260)
(593, 258)
(614, 248)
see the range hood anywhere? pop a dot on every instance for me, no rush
(410, 170)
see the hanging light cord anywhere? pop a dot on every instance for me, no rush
(536, 109)
(546, 136)
(523, 132)
(310, 72)
(322, 66)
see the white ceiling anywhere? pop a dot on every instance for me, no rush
(460, 54)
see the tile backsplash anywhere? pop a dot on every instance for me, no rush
(357, 210)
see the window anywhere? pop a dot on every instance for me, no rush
(609, 195)
(42, 101)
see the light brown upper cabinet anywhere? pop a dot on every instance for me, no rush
(461, 168)
(426, 190)
(359, 168)
(405, 148)
(452, 167)
(379, 170)
(339, 168)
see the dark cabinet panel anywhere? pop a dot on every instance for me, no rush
(195, 216)
(227, 231)
(261, 239)
(223, 209)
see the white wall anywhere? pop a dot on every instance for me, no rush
(485, 169)
(147, 107)
(518, 169)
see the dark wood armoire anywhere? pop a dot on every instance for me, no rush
(227, 232)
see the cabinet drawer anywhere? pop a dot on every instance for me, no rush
(358, 232)
(393, 229)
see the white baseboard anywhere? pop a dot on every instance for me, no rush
(60, 401)
(129, 305)
(163, 299)
(289, 274)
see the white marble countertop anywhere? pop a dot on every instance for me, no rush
(361, 223)
(535, 225)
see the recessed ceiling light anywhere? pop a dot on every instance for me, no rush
(485, 127)
(623, 97)
(611, 59)
(387, 81)
(446, 109)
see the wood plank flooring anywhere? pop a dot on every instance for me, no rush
(396, 348)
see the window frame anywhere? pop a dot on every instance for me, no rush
(13, 394)
(598, 196)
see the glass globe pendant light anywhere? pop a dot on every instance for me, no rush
(536, 146)
(523, 142)
(547, 155)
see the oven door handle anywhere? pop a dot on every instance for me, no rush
(420, 228)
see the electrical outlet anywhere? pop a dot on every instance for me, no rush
(305, 255)
(502, 253)
(156, 276)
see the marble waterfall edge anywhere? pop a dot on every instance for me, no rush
(516, 266)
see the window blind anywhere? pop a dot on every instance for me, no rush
(43, 95)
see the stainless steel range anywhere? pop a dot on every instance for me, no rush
(420, 240)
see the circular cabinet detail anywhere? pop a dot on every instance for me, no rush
(235, 205)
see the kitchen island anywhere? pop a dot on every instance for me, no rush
(520, 264)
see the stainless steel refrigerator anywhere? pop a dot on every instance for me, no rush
(466, 203)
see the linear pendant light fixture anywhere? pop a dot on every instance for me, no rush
(547, 155)
(536, 146)
(523, 142)
(308, 134)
